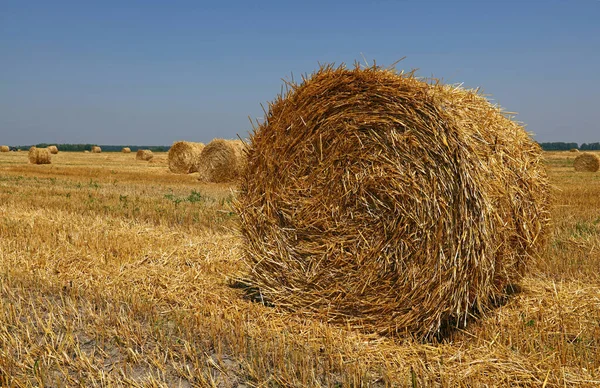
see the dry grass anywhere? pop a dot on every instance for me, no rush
(116, 273)
(378, 201)
(587, 162)
(144, 155)
(184, 157)
(222, 161)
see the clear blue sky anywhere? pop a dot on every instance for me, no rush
(152, 72)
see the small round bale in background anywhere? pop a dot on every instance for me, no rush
(586, 162)
(222, 161)
(96, 149)
(183, 157)
(39, 155)
(144, 155)
(4, 148)
(573, 150)
(53, 149)
(381, 202)
(126, 150)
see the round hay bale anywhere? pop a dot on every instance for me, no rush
(86, 151)
(96, 149)
(183, 157)
(586, 163)
(381, 202)
(573, 150)
(4, 148)
(39, 155)
(53, 149)
(126, 150)
(222, 161)
(144, 155)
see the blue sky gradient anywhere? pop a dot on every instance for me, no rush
(153, 72)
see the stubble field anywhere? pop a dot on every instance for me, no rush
(115, 272)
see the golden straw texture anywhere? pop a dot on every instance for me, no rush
(381, 202)
(222, 161)
(144, 155)
(184, 156)
(586, 163)
(39, 155)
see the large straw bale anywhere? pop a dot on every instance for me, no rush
(144, 155)
(126, 150)
(388, 204)
(39, 155)
(184, 156)
(4, 148)
(586, 162)
(96, 149)
(222, 161)
(53, 149)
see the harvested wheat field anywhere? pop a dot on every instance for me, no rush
(117, 273)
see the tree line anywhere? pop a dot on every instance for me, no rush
(105, 148)
(552, 146)
(562, 146)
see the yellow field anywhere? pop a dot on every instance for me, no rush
(115, 272)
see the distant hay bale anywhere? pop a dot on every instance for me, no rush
(159, 160)
(587, 163)
(183, 157)
(573, 150)
(144, 155)
(53, 149)
(96, 149)
(126, 150)
(384, 203)
(4, 148)
(39, 155)
(222, 161)
(86, 151)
